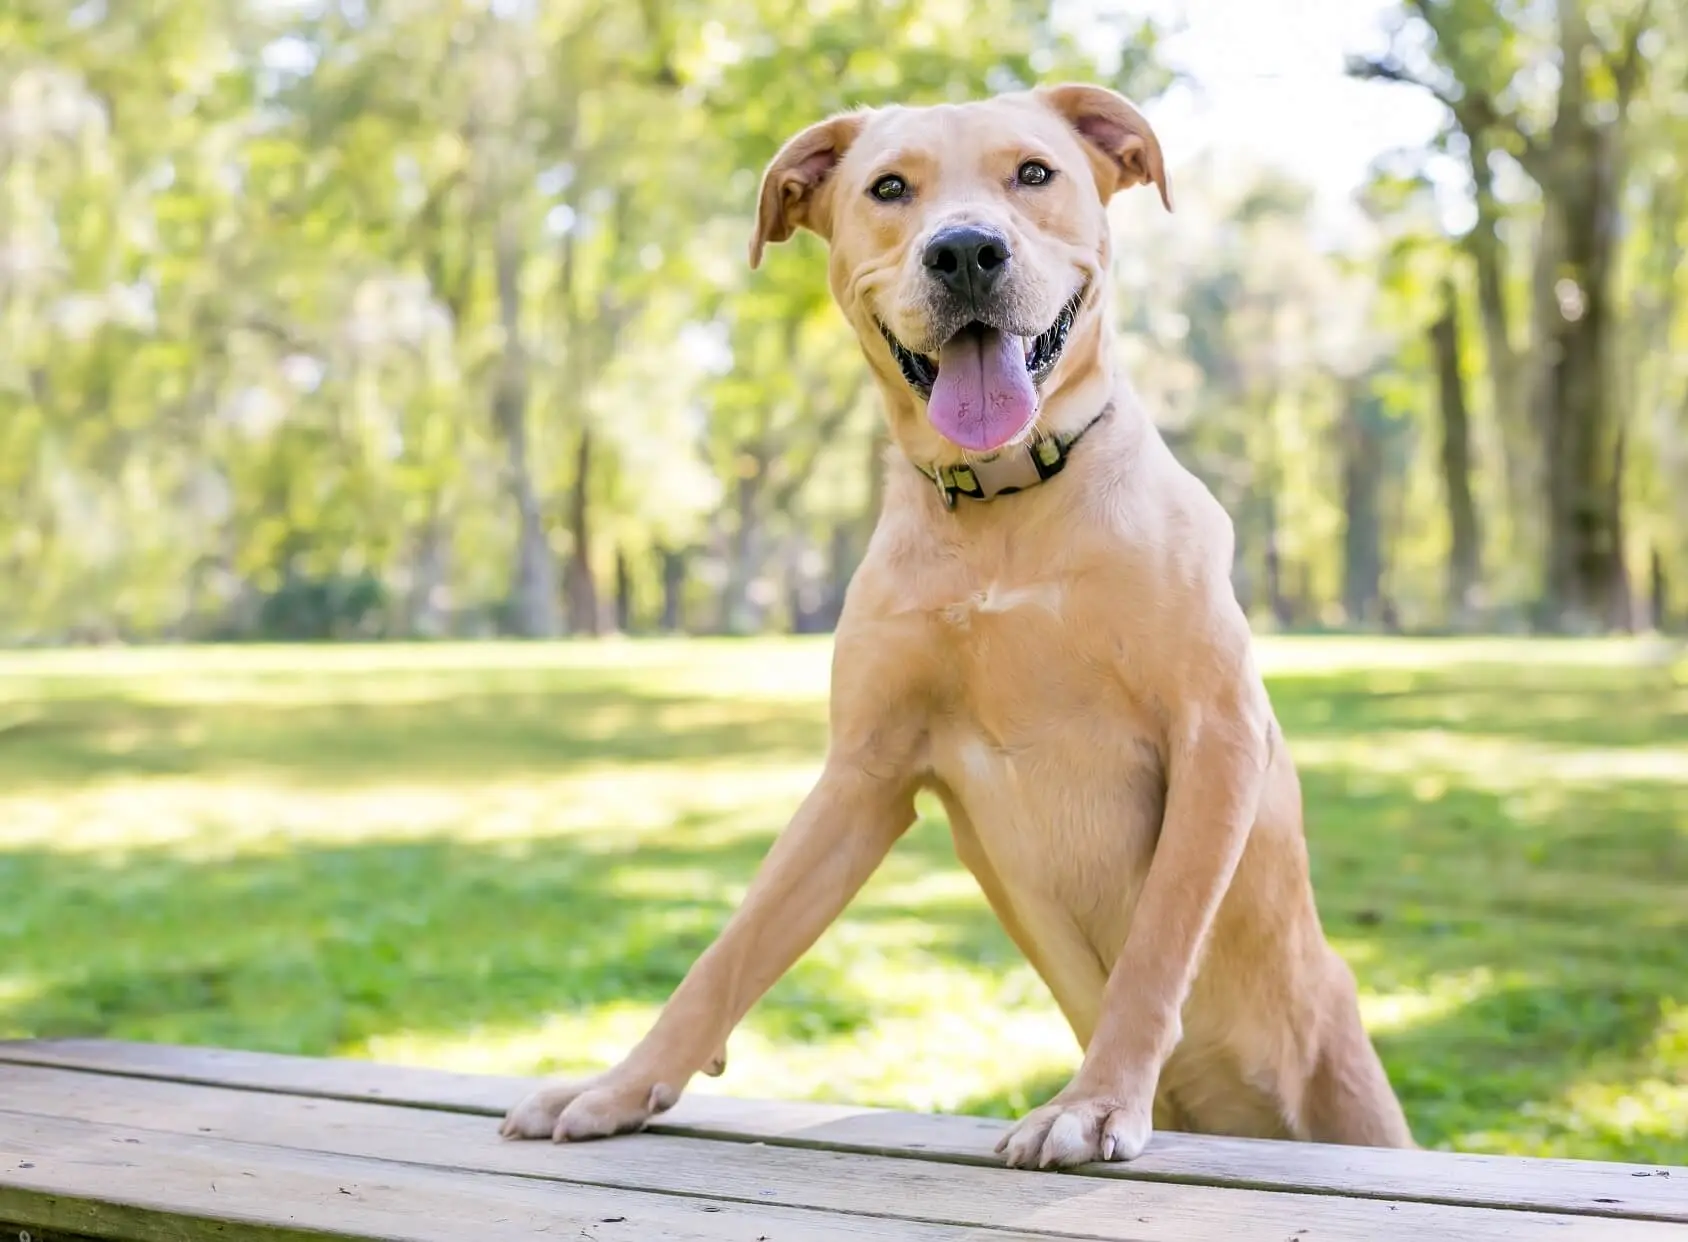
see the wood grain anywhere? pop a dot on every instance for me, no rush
(151, 1186)
(1582, 1187)
(752, 1175)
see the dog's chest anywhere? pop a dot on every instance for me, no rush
(1037, 740)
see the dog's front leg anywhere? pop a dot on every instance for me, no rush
(1217, 762)
(838, 836)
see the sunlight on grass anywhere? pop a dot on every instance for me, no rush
(1384, 657)
(1430, 757)
(927, 1050)
(211, 819)
(504, 857)
(767, 669)
(1439, 999)
(1645, 1114)
(18, 990)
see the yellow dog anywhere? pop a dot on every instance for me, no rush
(1044, 633)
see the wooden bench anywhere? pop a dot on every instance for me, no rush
(163, 1144)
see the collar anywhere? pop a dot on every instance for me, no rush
(1011, 470)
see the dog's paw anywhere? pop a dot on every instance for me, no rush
(597, 1108)
(536, 1116)
(1077, 1129)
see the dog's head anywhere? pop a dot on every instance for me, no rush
(969, 244)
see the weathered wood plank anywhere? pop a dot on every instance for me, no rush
(339, 1078)
(151, 1186)
(1565, 1186)
(755, 1174)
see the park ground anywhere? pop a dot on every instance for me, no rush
(503, 857)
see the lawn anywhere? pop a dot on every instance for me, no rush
(503, 857)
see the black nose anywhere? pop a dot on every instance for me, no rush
(968, 260)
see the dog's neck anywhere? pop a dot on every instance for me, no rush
(1082, 395)
(1009, 470)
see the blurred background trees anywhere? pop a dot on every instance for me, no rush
(431, 317)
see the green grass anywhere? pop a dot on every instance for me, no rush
(502, 858)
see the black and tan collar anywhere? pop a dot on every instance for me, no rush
(1011, 470)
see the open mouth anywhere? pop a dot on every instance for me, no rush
(1041, 352)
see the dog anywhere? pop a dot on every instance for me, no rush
(1044, 633)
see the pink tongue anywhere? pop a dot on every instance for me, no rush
(983, 396)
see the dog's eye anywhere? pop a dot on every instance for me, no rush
(889, 188)
(1034, 172)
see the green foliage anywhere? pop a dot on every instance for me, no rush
(283, 264)
(503, 859)
(453, 294)
(319, 609)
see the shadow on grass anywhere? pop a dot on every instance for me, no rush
(466, 735)
(1565, 705)
(320, 948)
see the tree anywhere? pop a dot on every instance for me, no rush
(1570, 145)
(1464, 554)
(427, 319)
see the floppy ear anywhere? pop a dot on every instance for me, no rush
(1130, 152)
(796, 191)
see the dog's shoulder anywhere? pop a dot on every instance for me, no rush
(1158, 516)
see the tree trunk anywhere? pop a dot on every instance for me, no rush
(1464, 554)
(739, 614)
(623, 593)
(1305, 607)
(673, 589)
(1582, 563)
(1583, 427)
(425, 609)
(1510, 391)
(533, 591)
(1362, 536)
(1657, 592)
(1582, 510)
(808, 587)
(1621, 608)
(579, 584)
(1275, 597)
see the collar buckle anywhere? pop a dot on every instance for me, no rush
(1006, 473)
(946, 493)
(1014, 470)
